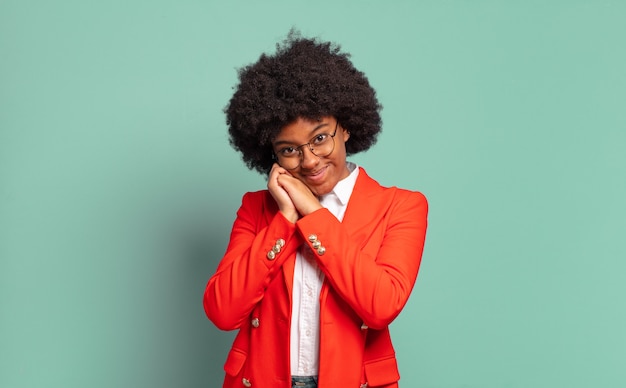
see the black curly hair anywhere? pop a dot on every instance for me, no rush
(307, 79)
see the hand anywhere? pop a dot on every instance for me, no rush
(292, 196)
(280, 195)
(301, 196)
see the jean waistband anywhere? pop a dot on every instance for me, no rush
(304, 381)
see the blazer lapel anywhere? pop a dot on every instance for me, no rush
(368, 202)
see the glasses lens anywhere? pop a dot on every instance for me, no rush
(321, 146)
(289, 163)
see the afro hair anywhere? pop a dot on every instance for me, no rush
(307, 79)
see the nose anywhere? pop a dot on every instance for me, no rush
(309, 159)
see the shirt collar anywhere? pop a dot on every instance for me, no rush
(343, 188)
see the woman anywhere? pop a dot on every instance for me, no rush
(320, 263)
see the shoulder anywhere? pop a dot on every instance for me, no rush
(371, 197)
(255, 196)
(369, 184)
(260, 200)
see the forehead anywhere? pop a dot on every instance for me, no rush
(302, 129)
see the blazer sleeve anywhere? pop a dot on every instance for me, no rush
(248, 267)
(376, 285)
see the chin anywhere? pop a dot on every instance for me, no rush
(318, 191)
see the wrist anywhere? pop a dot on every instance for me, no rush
(311, 209)
(291, 216)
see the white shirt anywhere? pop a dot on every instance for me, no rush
(307, 284)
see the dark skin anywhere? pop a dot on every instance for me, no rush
(296, 191)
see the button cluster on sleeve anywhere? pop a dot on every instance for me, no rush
(316, 244)
(271, 254)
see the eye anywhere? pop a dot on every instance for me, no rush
(320, 138)
(289, 151)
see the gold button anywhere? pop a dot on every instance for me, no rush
(276, 248)
(255, 322)
(321, 251)
(316, 244)
(312, 238)
(271, 255)
(246, 382)
(364, 327)
(280, 242)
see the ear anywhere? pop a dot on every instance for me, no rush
(345, 134)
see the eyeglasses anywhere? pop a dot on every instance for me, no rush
(323, 144)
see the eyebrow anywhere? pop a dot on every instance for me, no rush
(315, 129)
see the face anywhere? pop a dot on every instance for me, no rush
(320, 174)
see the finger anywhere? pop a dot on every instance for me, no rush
(286, 179)
(274, 170)
(276, 167)
(293, 186)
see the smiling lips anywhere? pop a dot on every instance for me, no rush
(318, 175)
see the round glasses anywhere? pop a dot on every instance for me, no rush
(323, 144)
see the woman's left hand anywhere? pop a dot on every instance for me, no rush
(301, 196)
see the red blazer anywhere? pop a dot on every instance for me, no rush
(370, 262)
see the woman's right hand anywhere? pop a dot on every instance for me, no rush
(280, 195)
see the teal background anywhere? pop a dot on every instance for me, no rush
(118, 187)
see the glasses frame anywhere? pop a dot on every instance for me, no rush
(301, 153)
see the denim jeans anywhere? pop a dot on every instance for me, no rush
(304, 381)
